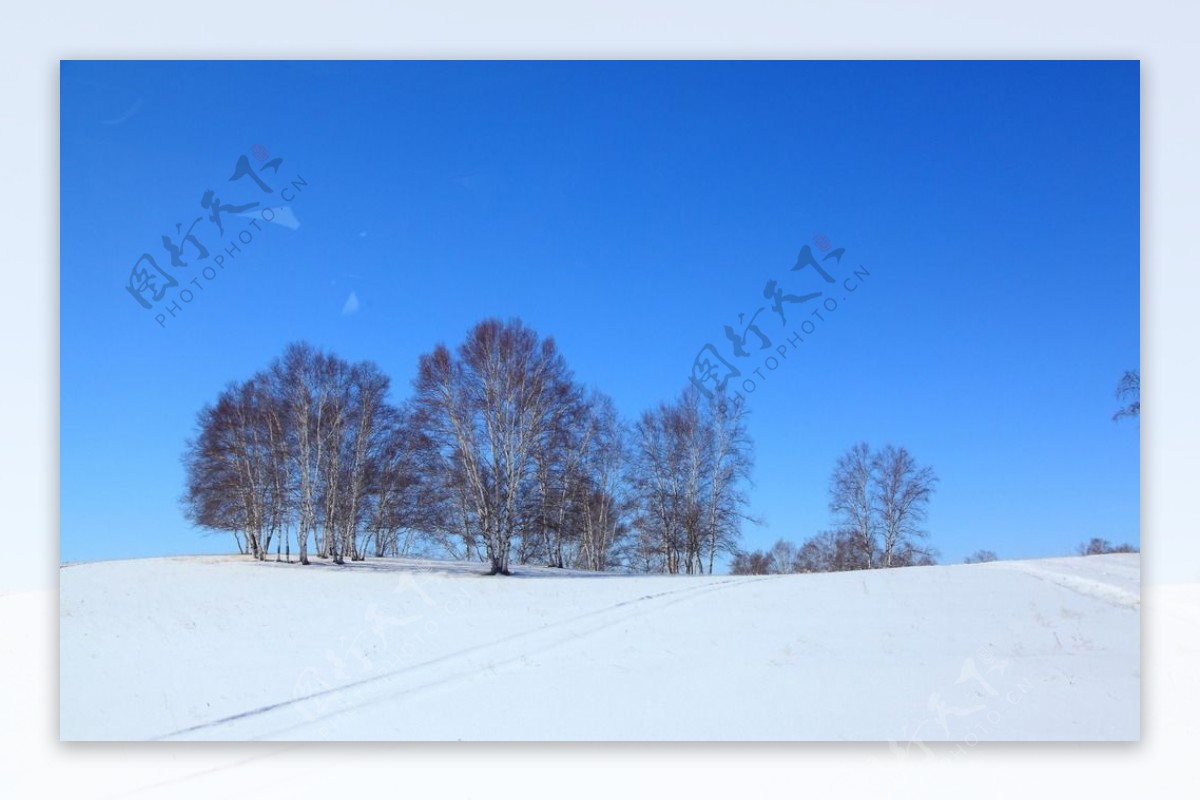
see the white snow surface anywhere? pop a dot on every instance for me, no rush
(225, 648)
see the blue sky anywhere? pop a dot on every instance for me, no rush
(630, 210)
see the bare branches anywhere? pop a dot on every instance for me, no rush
(1129, 392)
(487, 412)
(901, 500)
(852, 499)
(879, 501)
(500, 454)
(693, 458)
(1097, 545)
(293, 451)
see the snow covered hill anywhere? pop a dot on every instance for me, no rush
(225, 648)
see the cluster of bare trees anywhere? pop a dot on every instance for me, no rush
(301, 451)
(499, 455)
(1098, 545)
(692, 458)
(519, 454)
(879, 500)
(782, 557)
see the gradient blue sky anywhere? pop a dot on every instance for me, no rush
(631, 210)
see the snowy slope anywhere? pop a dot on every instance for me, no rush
(225, 648)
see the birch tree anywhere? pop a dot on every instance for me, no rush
(692, 461)
(606, 499)
(902, 493)
(852, 501)
(488, 408)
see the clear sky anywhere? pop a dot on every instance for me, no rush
(631, 211)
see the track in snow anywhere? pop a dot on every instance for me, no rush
(276, 721)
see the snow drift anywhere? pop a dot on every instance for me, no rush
(226, 648)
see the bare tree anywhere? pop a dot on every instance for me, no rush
(752, 563)
(400, 494)
(229, 465)
(559, 462)
(332, 378)
(213, 496)
(879, 501)
(731, 459)
(852, 500)
(901, 497)
(816, 554)
(500, 451)
(298, 447)
(301, 405)
(604, 491)
(369, 417)
(827, 552)
(692, 459)
(489, 409)
(659, 490)
(783, 557)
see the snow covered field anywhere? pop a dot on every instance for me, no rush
(228, 649)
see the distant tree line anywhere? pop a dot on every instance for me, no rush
(1092, 547)
(1096, 546)
(499, 455)
(879, 500)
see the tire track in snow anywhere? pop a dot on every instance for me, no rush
(456, 666)
(1092, 588)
